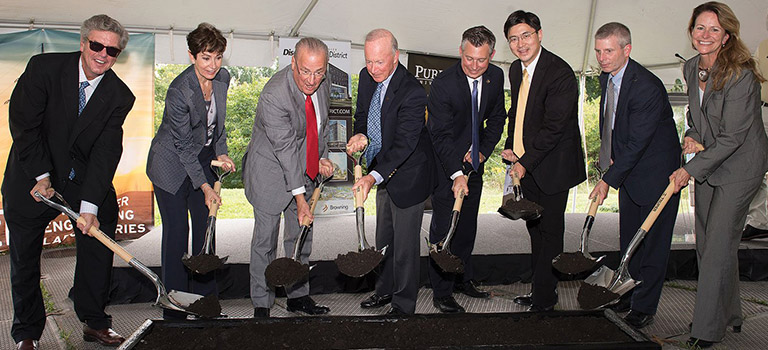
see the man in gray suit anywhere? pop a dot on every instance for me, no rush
(286, 152)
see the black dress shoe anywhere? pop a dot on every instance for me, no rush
(469, 288)
(447, 305)
(638, 319)
(395, 311)
(306, 305)
(376, 300)
(736, 329)
(623, 305)
(106, 336)
(260, 312)
(27, 344)
(696, 343)
(751, 232)
(537, 308)
(524, 300)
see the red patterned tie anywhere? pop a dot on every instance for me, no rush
(312, 152)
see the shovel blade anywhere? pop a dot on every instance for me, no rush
(601, 277)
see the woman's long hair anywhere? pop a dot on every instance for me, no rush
(734, 55)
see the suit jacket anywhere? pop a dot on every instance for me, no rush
(406, 161)
(49, 136)
(450, 116)
(729, 125)
(275, 161)
(553, 154)
(184, 131)
(645, 146)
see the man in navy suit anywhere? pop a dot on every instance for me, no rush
(544, 144)
(462, 99)
(640, 149)
(390, 118)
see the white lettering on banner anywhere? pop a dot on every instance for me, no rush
(426, 73)
(130, 228)
(58, 226)
(125, 214)
(122, 201)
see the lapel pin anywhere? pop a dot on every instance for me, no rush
(487, 81)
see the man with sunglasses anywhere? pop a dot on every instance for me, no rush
(65, 116)
(287, 151)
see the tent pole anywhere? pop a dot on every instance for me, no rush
(295, 29)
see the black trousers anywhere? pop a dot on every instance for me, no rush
(546, 235)
(93, 270)
(463, 241)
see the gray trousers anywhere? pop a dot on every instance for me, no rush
(400, 229)
(264, 249)
(720, 215)
(757, 216)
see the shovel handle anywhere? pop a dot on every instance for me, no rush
(215, 205)
(312, 205)
(515, 179)
(358, 193)
(593, 207)
(107, 241)
(460, 199)
(217, 163)
(658, 207)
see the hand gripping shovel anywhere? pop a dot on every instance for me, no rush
(285, 271)
(207, 260)
(440, 252)
(518, 207)
(605, 286)
(180, 301)
(366, 258)
(581, 261)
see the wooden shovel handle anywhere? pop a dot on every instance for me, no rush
(107, 241)
(460, 199)
(312, 205)
(515, 179)
(217, 163)
(215, 205)
(658, 207)
(358, 193)
(593, 207)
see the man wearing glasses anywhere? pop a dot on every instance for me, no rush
(544, 144)
(66, 115)
(287, 150)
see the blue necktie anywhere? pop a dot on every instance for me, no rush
(374, 125)
(475, 129)
(81, 93)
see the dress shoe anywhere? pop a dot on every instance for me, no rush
(395, 311)
(106, 336)
(27, 344)
(623, 305)
(696, 343)
(376, 300)
(537, 308)
(306, 305)
(751, 232)
(469, 288)
(447, 305)
(260, 312)
(524, 300)
(736, 329)
(638, 319)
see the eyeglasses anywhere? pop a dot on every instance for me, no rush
(305, 73)
(523, 37)
(96, 46)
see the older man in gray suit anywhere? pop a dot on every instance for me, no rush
(287, 151)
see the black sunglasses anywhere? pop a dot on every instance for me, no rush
(96, 46)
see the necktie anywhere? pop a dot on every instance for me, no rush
(374, 125)
(81, 93)
(313, 156)
(605, 146)
(522, 99)
(475, 129)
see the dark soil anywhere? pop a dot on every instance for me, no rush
(573, 263)
(592, 296)
(522, 209)
(207, 306)
(448, 262)
(285, 272)
(408, 332)
(358, 264)
(203, 263)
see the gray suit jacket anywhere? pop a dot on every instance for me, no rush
(729, 125)
(275, 161)
(183, 131)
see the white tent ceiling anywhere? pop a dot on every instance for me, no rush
(658, 26)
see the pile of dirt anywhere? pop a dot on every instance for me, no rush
(592, 296)
(203, 263)
(573, 263)
(285, 272)
(448, 262)
(358, 264)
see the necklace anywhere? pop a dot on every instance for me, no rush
(704, 74)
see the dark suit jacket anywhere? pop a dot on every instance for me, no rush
(184, 130)
(450, 116)
(49, 136)
(553, 153)
(645, 145)
(405, 161)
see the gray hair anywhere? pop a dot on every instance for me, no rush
(615, 28)
(380, 33)
(104, 23)
(311, 45)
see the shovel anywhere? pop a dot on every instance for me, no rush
(366, 258)
(285, 271)
(180, 301)
(440, 252)
(581, 261)
(605, 286)
(518, 207)
(207, 260)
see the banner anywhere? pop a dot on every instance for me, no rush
(135, 67)
(426, 67)
(337, 195)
